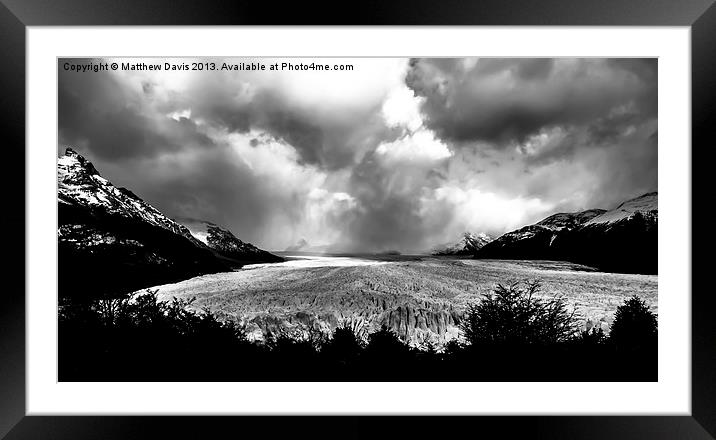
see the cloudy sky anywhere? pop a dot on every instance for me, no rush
(397, 154)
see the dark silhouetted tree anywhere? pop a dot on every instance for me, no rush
(634, 326)
(344, 347)
(514, 315)
(592, 337)
(385, 344)
(139, 337)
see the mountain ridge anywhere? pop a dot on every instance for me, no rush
(468, 244)
(302, 245)
(111, 242)
(623, 239)
(80, 183)
(224, 242)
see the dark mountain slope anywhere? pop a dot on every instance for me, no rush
(534, 242)
(112, 242)
(100, 254)
(226, 244)
(624, 239)
(467, 245)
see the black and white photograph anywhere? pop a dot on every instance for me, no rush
(357, 219)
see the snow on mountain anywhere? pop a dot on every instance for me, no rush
(467, 245)
(648, 204)
(546, 229)
(80, 184)
(111, 242)
(303, 245)
(224, 241)
(621, 240)
(562, 220)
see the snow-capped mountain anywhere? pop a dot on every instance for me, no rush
(620, 240)
(80, 184)
(562, 220)
(534, 241)
(647, 205)
(468, 244)
(111, 242)
(303, 245)
(224, 242)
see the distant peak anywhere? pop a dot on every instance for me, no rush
(473, 235)
(569, 220)
(71, 154)
(650, 197)
(647, 203)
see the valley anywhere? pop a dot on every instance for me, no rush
(127, 245)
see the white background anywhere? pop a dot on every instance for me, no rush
(670, 395)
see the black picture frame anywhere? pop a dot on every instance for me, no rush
(16, 15)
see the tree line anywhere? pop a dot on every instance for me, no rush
(511, 334)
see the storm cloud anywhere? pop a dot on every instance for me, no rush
(99, 112)
(507, 100)
(397, 154)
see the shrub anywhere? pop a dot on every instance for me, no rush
(453, 347)
(513, 315)
(344, 347)
(385, 343)
(592, 337)
(634, 326)
(141, 338)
